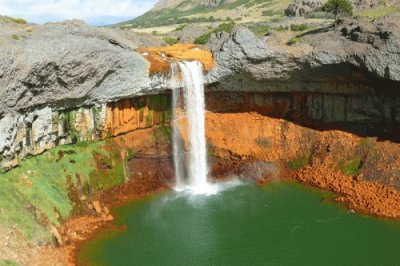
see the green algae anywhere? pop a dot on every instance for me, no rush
(8, 263)
(39, 189)
(299, 162)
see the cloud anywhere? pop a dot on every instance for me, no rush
(95, 12)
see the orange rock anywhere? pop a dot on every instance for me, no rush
(160, 57)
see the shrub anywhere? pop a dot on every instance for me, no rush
(180, 27)
(203, 39)
(338, 7)
(171, 40)
(226, 27)
(15, 37)
(298, 27)
(19, 20)
(293, 40)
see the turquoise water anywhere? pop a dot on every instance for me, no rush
(282, 223)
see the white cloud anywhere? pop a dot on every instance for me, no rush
(93, 11)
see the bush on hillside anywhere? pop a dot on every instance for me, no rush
(298, 27)
(226, 27)
(171, 40)
(338, 7)
(19, 20)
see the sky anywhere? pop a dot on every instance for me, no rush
(94, 12)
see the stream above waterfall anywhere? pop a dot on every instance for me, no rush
(282, 223)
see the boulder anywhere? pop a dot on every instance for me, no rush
(300, 8)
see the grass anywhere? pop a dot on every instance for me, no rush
(180, 27)
(299, 27)
(191, 11)
(378, 12)
(281, 28)
(351, 168)
(38, 189)
(267, 13)
(259, 29)
(224, 27)
(8, 263)
(171, 40)
(299, 162)
(293, 40)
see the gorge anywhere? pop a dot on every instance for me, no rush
(97, 121)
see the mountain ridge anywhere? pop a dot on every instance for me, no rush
(170, 12)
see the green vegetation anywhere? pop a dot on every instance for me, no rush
(293, 40)
(170, 40)
(19, 20)
(191, 11)
(180, 27)
(203, 39)
(351, 168)
(45, 187)
(224, 27)
(8, 263)
(130, 154)
(299, 27)
(378, 12)
(281, 28)
(259, 29)
(338, 7)
(267, 13)
(299, 162)
(162, 133)
(15, 37)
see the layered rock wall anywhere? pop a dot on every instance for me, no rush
(34, 132)
(362, 114)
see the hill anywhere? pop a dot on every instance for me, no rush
(172, 12)
(169, 12)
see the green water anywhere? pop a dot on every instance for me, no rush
(280, 224)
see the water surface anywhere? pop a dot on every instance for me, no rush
(282, 223)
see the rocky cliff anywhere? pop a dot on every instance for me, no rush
(59, 81)
(340, 78)
(67, 83)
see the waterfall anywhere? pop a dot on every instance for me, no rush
(177, 143)
(194, 105)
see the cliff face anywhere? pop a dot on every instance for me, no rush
(346, 78)
(362, 46)
(62, 83)
(69, 64)
(34, 132)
